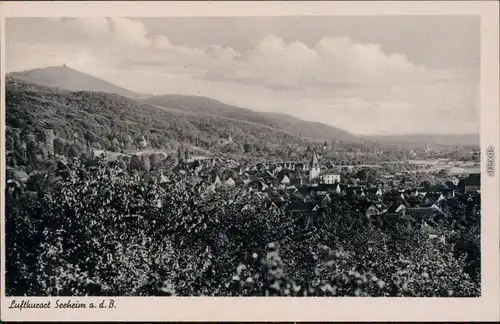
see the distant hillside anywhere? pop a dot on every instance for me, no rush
(451, 139)
(206, 106)
(105, 118)
(67, 78)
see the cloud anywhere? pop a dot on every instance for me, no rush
(356, 86)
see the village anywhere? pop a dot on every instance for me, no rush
(308, 187)
(393, 190)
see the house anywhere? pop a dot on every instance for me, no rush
(143, 143)
(330, 177)
(433, 233)
(230, 182)
(216, 180)
(300, 207)
(210, 189)
(447, 192)
(440, 198)
(268, 178)
(226, 141)
(455, 181)
(374, 210)
(396, 209)
(302, 166)
(289, 165)
(261, 167)
(354, 190)
(433, 197)
(326, 200)
(285, 180)
(412, 192)
(298, 181)
(427, 212)
(471, 183)
(20, 176)
(257, 185)
(316, 208)
(277, 168)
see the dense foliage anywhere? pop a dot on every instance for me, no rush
(101, 230)
(103, 118)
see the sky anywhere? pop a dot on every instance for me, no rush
(370, 75)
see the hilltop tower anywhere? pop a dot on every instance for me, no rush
(314, 170)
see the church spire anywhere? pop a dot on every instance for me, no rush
(314, 159)
(315, 170)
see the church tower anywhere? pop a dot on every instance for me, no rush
(314, 170)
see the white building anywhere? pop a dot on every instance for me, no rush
(143, 143)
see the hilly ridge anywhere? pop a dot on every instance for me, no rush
(208, 118)
(201, 111)
(206, 106)
(103, 119)
(67, 78)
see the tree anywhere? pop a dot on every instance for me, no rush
(426, 185)
(145, 163)
(179, 154)
(58, 146)
(31, 148)
(361, 175)
(49, 141)
(74, 151)
(155, 159)
(135, 163)
(247, 148)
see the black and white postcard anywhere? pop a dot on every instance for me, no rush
(270, 158)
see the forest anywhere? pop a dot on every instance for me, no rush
(116, 123)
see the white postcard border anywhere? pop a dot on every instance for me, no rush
(484, 308)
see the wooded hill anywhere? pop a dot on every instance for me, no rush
(70, 79)
(103, 118)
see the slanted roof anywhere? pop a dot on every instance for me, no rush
(396, 207)
(285, 179)
(301, 206)
(430, 230)
(424, 212)
(473, 180)
(20, 175)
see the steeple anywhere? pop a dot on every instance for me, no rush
(315, 170)
(314, 162)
